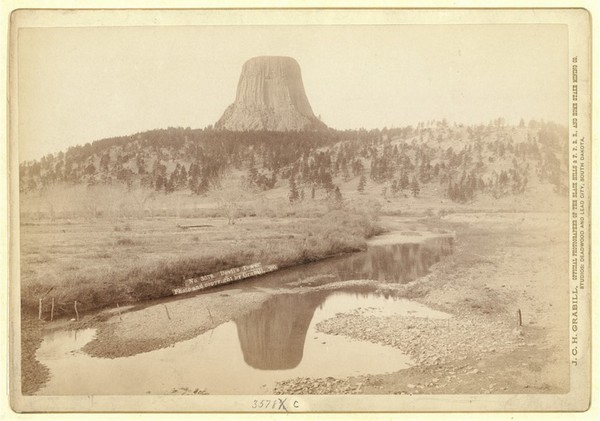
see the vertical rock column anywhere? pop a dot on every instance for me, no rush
(270, 96)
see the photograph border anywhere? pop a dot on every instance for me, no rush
(574, 401)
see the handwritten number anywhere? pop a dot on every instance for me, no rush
(279, 404)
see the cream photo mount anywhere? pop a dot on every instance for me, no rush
(575, 25)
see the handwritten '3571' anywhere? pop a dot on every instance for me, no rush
(278, 404)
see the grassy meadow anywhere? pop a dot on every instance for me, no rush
(118, 255)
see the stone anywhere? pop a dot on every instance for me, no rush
(270, 96)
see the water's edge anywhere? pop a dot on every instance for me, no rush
(267, 336)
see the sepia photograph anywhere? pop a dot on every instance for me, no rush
(300, 210)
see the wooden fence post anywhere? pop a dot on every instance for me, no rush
(76, 312)
(519, 320)
(167, 310)
(119, 310)
(52, 310)
(40, 310)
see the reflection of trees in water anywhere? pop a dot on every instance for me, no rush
(272, 337)
(399, 263)
(395, 263)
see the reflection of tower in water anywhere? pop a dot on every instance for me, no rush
(272, 337)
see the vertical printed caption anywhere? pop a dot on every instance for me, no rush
(578, 208)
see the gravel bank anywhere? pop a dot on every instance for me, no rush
(502, 263)
(427, 341)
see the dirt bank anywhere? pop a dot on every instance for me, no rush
(33, 374)
(502, 263)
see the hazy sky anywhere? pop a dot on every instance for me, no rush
(77, 85)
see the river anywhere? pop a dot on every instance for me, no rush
(275, 342)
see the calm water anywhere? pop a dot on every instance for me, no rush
(392, 263)
(244, 356)
(250, 354)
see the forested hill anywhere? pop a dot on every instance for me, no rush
(464, 161)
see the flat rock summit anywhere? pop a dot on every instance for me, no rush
(270, 96)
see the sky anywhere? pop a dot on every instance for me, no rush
(77, 85)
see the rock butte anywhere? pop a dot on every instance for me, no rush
(270, 96)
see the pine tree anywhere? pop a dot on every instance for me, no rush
(90, 169)
(362, 183)
(414, 187)
(395, 188)
(294, 195)
(182, 177)
(345, 173)
(252, 174)
(169, 186)
(204, 185)
(104, 161)
(336, 200)
(404, 182)
(159, 183)
(192, 183)
(337, 194)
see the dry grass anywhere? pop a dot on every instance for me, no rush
(103, 245)
(97, 265)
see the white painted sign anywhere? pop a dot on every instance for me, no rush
(193, 281)
(224, 277)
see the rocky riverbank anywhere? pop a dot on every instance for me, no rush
(428, 341)
(502, 264)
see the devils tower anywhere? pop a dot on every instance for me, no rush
(270, 96)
